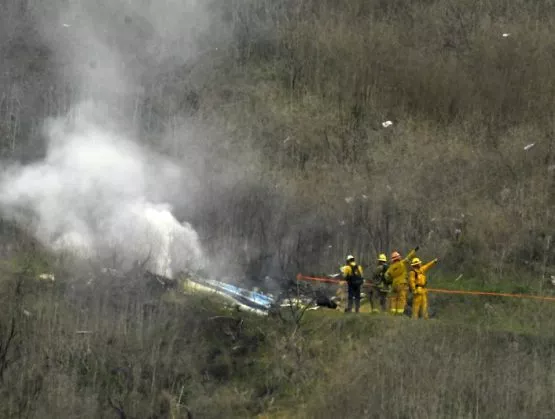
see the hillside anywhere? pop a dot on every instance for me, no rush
(277, 116)
(248, 141)
(116, 348)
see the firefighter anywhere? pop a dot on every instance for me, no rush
(396, 274)
(417, 283)
(379, 286)
(352, 274)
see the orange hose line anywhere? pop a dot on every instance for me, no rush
(312, 278)
(495, 294)
(441, 291)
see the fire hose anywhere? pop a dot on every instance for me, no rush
(301, 277)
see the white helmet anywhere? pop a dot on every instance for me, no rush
(350, 258)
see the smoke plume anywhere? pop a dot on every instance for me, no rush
(98, 192)
(91, 196)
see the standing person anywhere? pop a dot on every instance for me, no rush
(397, 275)
(418, 282)
(379, 286)
(352, 274)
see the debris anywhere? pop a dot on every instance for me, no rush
(294, 302)
(458, 277)
(365, 197)
(47, 277)
(553, 280)
(506, 35)
(66, 25)
(240, 298)
(529, 146)
(26, 313)
(386, 124)
(349, 199)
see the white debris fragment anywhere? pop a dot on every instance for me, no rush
(66, 25)
(553, 279)
(342, 222)
(386, 124)
(365, 197)
(26, 313)
(529, 146)
(349, 199)
(459, 277)
(47, 277)
(506, 35)
(291, 302)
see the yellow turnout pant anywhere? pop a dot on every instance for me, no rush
(397, 299)
(420, 304)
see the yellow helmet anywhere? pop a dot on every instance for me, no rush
(382, 257)
(416, 262)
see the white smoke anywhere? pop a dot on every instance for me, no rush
(91, 196)
(97, 192)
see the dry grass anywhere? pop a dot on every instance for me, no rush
(148, 355)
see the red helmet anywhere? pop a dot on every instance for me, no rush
(395, 256)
